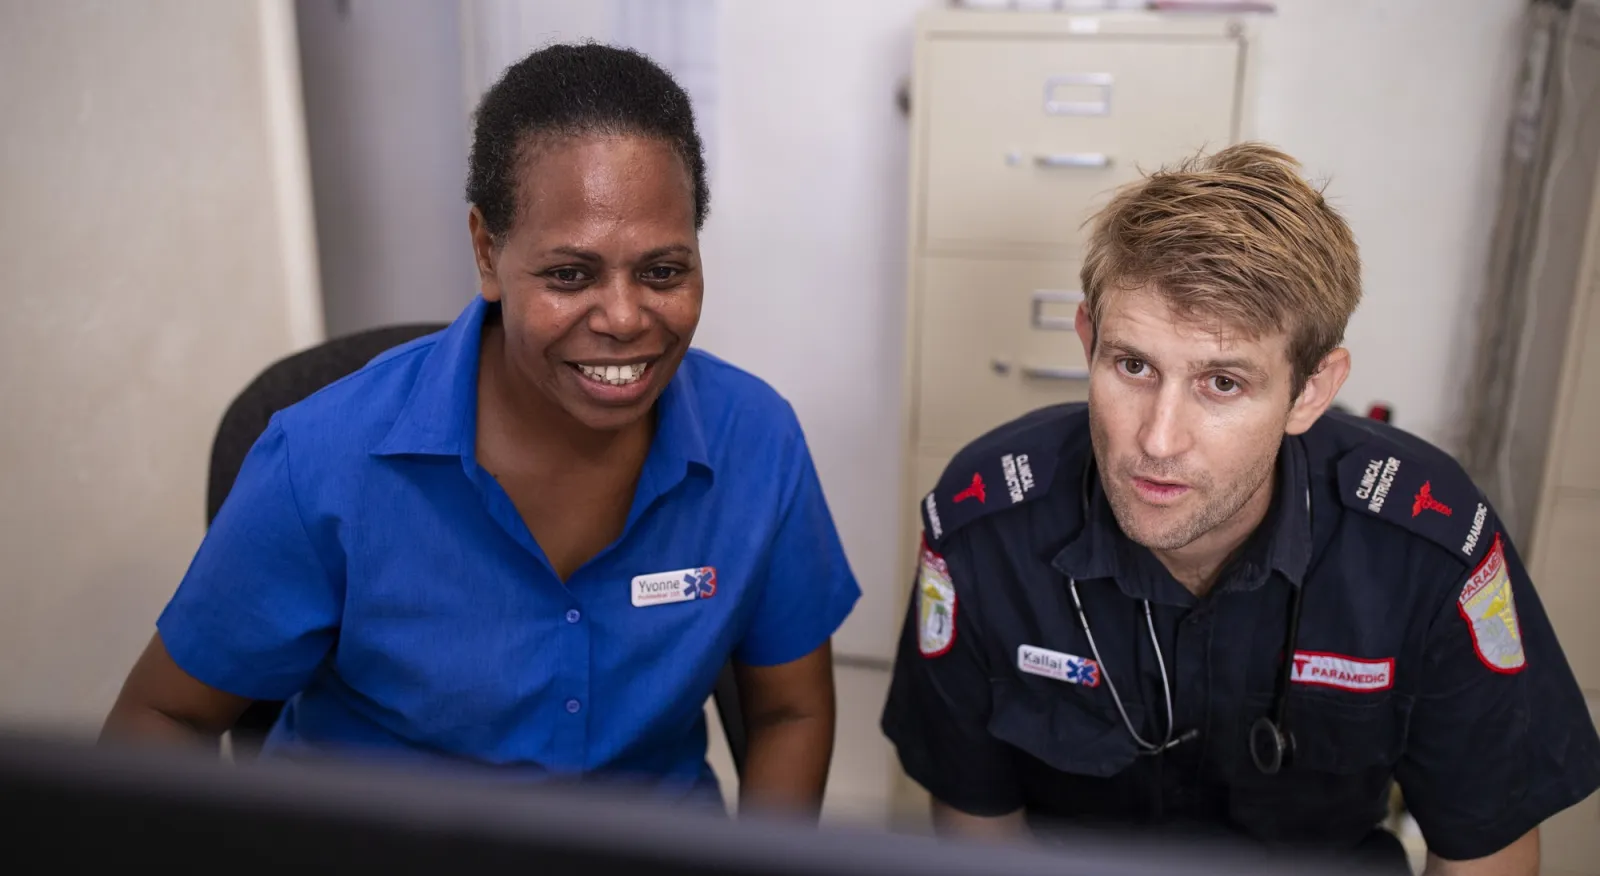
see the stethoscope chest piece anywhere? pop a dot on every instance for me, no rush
(1270, 747)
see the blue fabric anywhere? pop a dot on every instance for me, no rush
(367, 569)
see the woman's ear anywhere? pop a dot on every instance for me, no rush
(484, 253)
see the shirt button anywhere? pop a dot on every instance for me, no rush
(573, 615)
(573, 706)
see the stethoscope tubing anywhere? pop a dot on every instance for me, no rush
(1270, 742)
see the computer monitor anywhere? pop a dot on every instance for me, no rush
(73, 808)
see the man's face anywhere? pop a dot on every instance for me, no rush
(1186, 419)
(599, 280)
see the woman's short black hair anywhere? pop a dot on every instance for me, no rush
(574, 90)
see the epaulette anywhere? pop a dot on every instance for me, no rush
(1008, 466)
(1424, 493)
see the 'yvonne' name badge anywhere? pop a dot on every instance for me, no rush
(685, 585)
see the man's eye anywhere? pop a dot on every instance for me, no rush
(1133, 367)
(1224, 385)
(661, 273)
(567, 275)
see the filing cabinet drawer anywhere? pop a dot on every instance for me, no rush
(995, 340)
(1025, 138)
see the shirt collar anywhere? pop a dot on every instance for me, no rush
(1281, 544)
(440, 417)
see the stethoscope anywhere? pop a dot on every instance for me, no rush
(1271, 744)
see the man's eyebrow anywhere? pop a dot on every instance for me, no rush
(1125, 349)
(1254, 372)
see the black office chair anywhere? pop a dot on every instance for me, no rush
(292, 379)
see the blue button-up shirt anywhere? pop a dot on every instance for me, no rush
(366, 568)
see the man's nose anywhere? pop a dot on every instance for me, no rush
(1165, 433)
(620, 310)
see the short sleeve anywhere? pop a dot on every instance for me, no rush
(939, 704)
(258, 610)
(807, 590)
(1501, 738)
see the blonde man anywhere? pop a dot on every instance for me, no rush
(1107, 592)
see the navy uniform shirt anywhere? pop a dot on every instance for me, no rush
(1423, 653)
(369, 570)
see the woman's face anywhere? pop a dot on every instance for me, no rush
(599, 276)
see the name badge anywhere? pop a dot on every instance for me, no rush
(1346, 673)
(684, 585)
(1061, 667)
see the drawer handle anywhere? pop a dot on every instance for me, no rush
(1046, 322)
(1073, 159)
(1043, 373)
(1100, 105)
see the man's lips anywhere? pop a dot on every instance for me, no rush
(1158, 491)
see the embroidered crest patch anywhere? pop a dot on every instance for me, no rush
(1490, 611)
(936, 605)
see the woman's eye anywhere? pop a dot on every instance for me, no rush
(567, 275)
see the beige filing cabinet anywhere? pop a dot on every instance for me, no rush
(1022, 126)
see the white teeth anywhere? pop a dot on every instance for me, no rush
(616, 375)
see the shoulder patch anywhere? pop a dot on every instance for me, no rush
(936, 605)
(1431, 498)
(1487, 606)
(1009, 466)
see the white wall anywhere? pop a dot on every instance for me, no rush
(388, 130)
(806, 255)
(155, 252)
(1403, 107)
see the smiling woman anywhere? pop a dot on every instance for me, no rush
(609, 497)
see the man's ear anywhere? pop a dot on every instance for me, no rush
(1085, 327)
(1320, 389)
(484, 250)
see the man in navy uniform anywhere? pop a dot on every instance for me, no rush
(1202, 601)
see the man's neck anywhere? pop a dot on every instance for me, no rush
(1198, 564)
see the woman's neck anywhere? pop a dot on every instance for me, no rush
(531, 431)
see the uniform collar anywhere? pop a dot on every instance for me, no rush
(440, 417)
(1281, 544)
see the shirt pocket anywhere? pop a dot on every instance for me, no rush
(1065, 726)
(1332, 789)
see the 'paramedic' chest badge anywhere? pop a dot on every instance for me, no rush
(1059, 666)
(685, 585)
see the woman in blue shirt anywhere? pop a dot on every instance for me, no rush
(533, 539)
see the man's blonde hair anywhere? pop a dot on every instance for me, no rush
(1238, 239)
